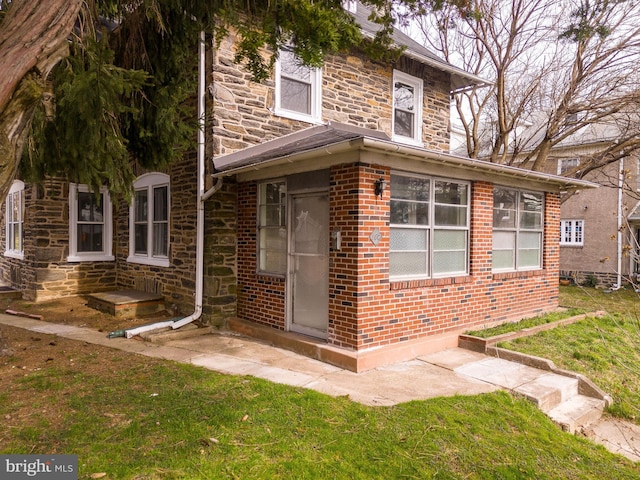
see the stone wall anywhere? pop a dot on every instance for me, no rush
(355, 91)
(44, 273)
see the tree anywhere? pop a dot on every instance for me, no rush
(97, 84)
(558, 69)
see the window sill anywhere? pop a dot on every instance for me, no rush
(16, 255)
(519, 274)
(428, 282)
(570, 245)
(407, 141)
(298, 116)
(90, 258)
(154, 262)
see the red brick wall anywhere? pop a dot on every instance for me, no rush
(261, 298)
(365, 309)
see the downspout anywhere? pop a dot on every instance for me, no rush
(202, 196)
(620, 188)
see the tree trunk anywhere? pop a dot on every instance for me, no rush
(33, 39)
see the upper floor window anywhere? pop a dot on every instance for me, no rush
(14, 232)
(517, 229)
(572, 232)
(407, 108)
(567, 164)
(149, 220)
(272, 227)
(429, 227)
(90, 227)
(298, 88)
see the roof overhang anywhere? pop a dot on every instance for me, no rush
(333, 144)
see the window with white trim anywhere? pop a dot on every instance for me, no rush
(567, 164)
(517, 230)
(429, 227)
(149, 220)
(272, 227)
(90, 226)
(298, 88)
(14, 226)
(572, 232)
(407, 108)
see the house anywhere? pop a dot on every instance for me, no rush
(599, 228)
(331, 218)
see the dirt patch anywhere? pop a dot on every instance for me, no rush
(32, 386)
(74, 311)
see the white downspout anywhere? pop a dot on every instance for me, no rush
(202, 196)
(619, 238)
(199, 200)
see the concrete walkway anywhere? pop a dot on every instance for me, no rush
(447, 373)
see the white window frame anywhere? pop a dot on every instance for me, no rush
(315, 85)
(264, 226)
(107, 227)
(16, 192)
(572, 233)
(563, 161)
(431, 229)
(518, 231)
(148, 182)
(418, 85)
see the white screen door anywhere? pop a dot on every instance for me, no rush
(309, 264)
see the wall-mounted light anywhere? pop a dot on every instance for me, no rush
(379, 186)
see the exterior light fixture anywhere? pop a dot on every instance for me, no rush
(379, 186)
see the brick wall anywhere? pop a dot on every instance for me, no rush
(365, 309)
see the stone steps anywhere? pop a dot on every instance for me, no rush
(563, 398)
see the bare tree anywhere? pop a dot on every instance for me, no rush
(557, 69)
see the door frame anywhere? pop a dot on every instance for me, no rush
(289, 284)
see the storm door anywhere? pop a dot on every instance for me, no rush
(309, 264)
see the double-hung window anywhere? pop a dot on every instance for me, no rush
(149, 220)
(407, 108)
(272, 227)
(298, 88)
(90, 226)
(14, 234)
(517, 230)
(429, 227)
(572, 232)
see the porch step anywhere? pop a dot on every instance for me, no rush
(577, 414)
(127, 303)
(8, 292)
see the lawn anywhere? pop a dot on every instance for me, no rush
(133, 417)
(606, 349)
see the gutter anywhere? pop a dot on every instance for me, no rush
(421, 154)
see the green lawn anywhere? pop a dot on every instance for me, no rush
(607, 349)
(170, 421)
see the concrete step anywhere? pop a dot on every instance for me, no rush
(127, 303)
(577, 413)
(549, 390)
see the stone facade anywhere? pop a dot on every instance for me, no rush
(355, 91)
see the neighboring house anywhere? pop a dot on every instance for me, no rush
(337, 213)
(599, 228)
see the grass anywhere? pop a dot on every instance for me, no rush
(171, 421)
(526, 323)
(606, 350)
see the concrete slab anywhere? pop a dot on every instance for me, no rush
(500, 372)
(617, 436)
